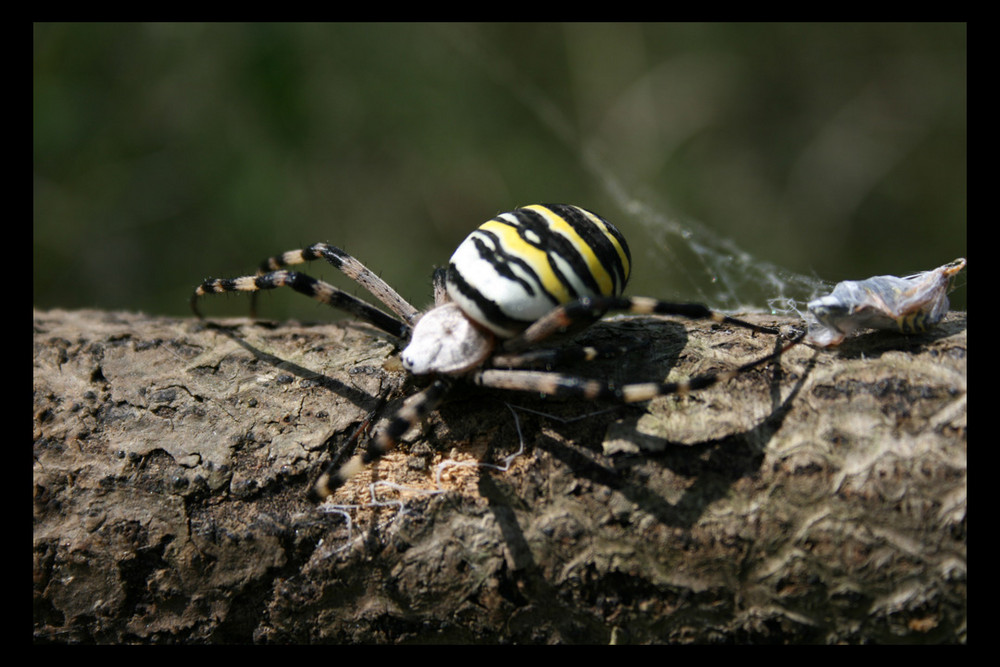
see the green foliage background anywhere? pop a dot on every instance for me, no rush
(168, 153)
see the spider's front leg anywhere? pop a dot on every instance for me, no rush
(311, 287)
(414, 410)
(350, 267)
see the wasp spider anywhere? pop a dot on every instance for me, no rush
(514, 282)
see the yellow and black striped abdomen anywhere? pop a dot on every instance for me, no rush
(520, 265)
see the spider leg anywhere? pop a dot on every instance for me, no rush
(414, 409)
(439, 282)
(351, 267)
(358, 432)
(590, 309)
(557, 384)
(557, 356)
(304, 284)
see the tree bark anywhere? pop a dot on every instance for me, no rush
(820, 499)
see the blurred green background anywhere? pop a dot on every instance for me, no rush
(165, 154)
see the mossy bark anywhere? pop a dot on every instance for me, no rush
(821, 499)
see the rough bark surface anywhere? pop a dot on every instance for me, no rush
(822, 499)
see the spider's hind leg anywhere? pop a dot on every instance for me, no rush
(558, 384)
(554, 357)
(566, 316)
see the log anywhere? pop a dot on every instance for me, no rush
(821, 499)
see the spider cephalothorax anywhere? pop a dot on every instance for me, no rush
(514, 282)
